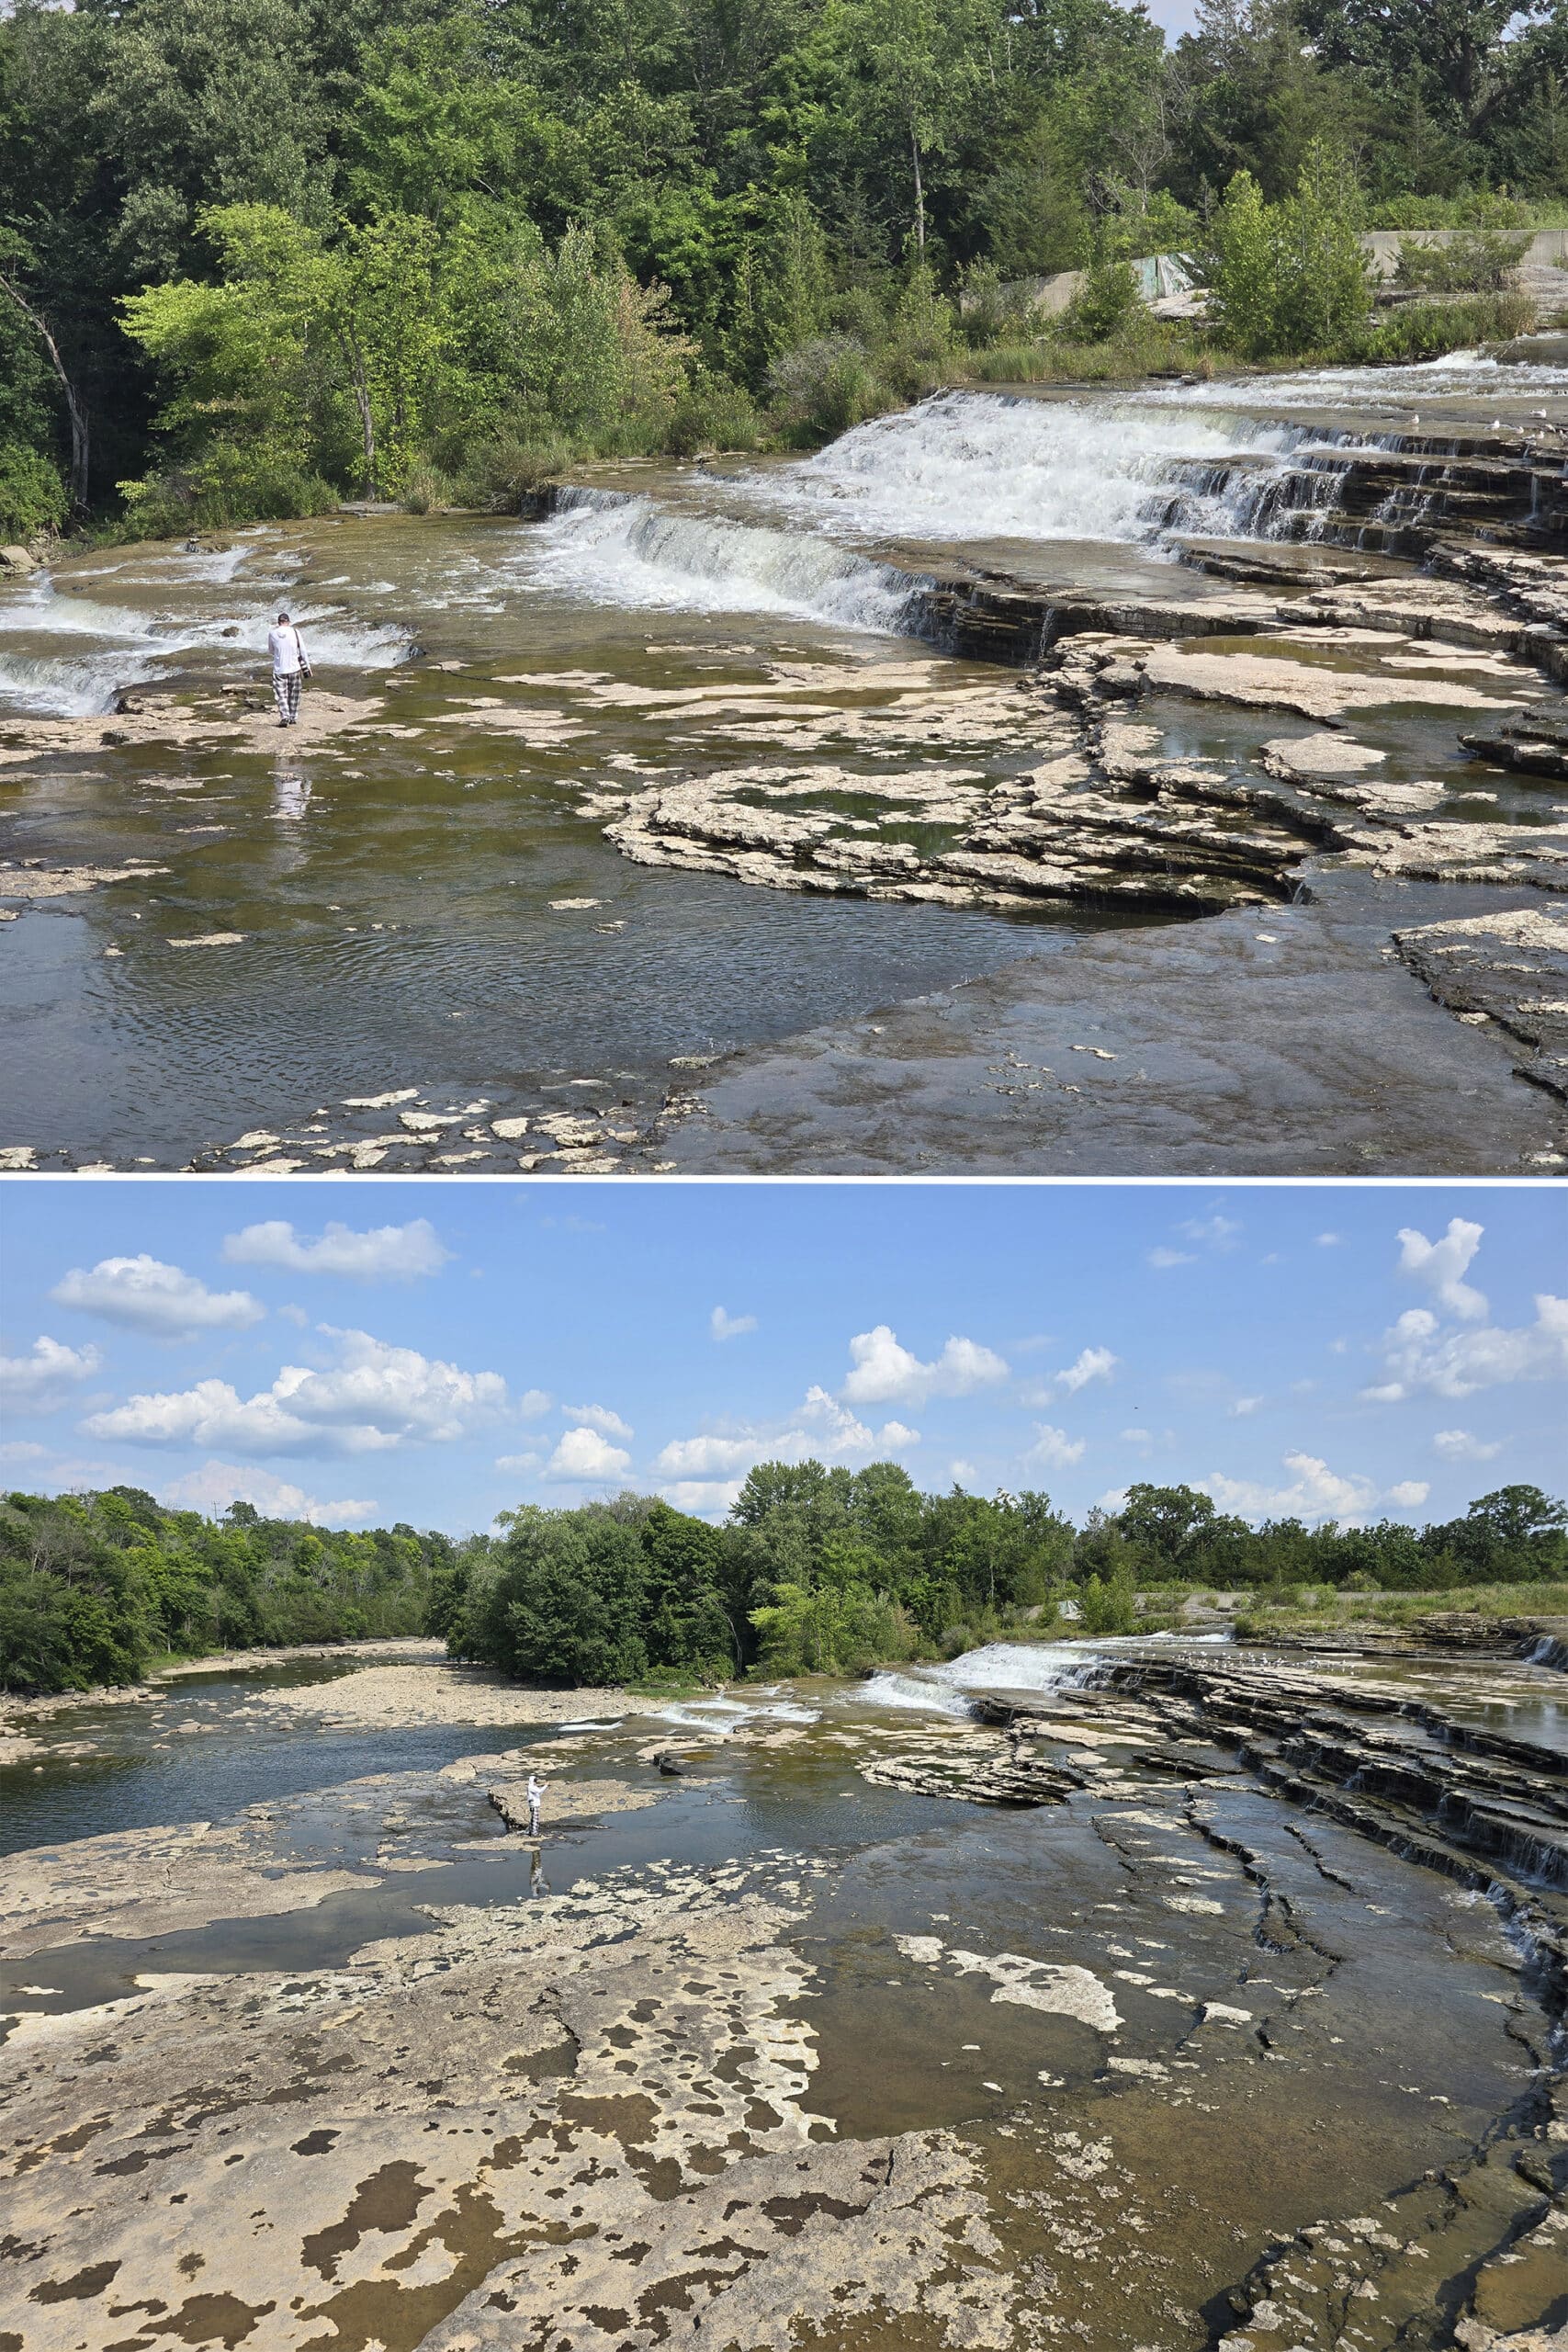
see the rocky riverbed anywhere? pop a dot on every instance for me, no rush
(1209, 2002)
(605, 823)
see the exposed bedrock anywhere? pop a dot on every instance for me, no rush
(1510, 968)
(1487, 1810)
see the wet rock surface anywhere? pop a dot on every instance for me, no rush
(1209, 2002)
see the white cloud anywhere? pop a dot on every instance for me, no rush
(1458, 1445)
(1418, 1354)
(534, 1404)
(821, 1428)
(1329, 1240)
(1054, 1449)
(959, 1471)
(583, 1453)
(396, 1253)
(597, 1417)
(21, 1449)
(519, 1461)
(373, 1398)
(1244, 1405)
(41, 1381)
(1442, 1265)
(1094, 1364)
(1215, 1232)
(1313, 1491)
(147, 1295)
(704, 1498)
(1163, 1256)
(885, 1373)
(730, 1326)
(218, 1484)
(1134, 1437)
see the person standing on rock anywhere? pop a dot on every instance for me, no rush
(290, 668)
(536, 1799)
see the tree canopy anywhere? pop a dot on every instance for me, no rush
(468, 229)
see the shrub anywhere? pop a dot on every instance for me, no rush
(1479, 261)
(713, 413)
(1417, 331)
(32, 494)
(1106, 303)
(825, 386)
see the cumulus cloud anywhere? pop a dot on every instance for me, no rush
(597, 1417)
(1458, 1445)
(534, 1404)
(822, 1429)
(1419, 1354)
(704, 1498)
(730, 1326)
(396, 1253)
(1163, 1256)
(519, 1461)
(882, 1372)
(22, 1449)
(1054, 1449)
(375, 1398)
(1312, 1491)
(147, 1295)
(42, 1380)
(1329, 1240)
(1442, 1264)
(218, 1484)
(584, 1453)
(1094, 1364)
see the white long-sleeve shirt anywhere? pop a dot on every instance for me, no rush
(287, 652)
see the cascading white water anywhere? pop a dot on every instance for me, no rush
(974, 465)
(961, 469)
(104, 647)
(629, 551)
(999, 1665)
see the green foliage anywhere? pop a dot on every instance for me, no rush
(1418, 331)
(1291, 278)
(1105, 304)
(1476, 261)
(92, 1587)
(32, 496)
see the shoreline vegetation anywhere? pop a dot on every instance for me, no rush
(260, 259)
(816, 1571)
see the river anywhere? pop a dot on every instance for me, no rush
(501, 873)
(786, 2022)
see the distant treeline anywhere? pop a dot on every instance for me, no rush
(832, 1570)
(816, 1570)
(94, 1588)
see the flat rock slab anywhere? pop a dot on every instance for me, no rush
(1304, 1053)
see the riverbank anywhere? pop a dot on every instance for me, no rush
(871, 2016)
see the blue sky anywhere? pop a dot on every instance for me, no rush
(436, 1352)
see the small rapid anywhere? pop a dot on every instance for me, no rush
(71, 655)
(946, 1690)
(846, 537)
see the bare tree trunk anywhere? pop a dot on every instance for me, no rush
(80, 438)
(366, 414)
(919, 192)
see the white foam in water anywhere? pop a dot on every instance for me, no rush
(1464, 373)
(974, 465)
(631, 552)
(999, 1665)
(113, 646)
